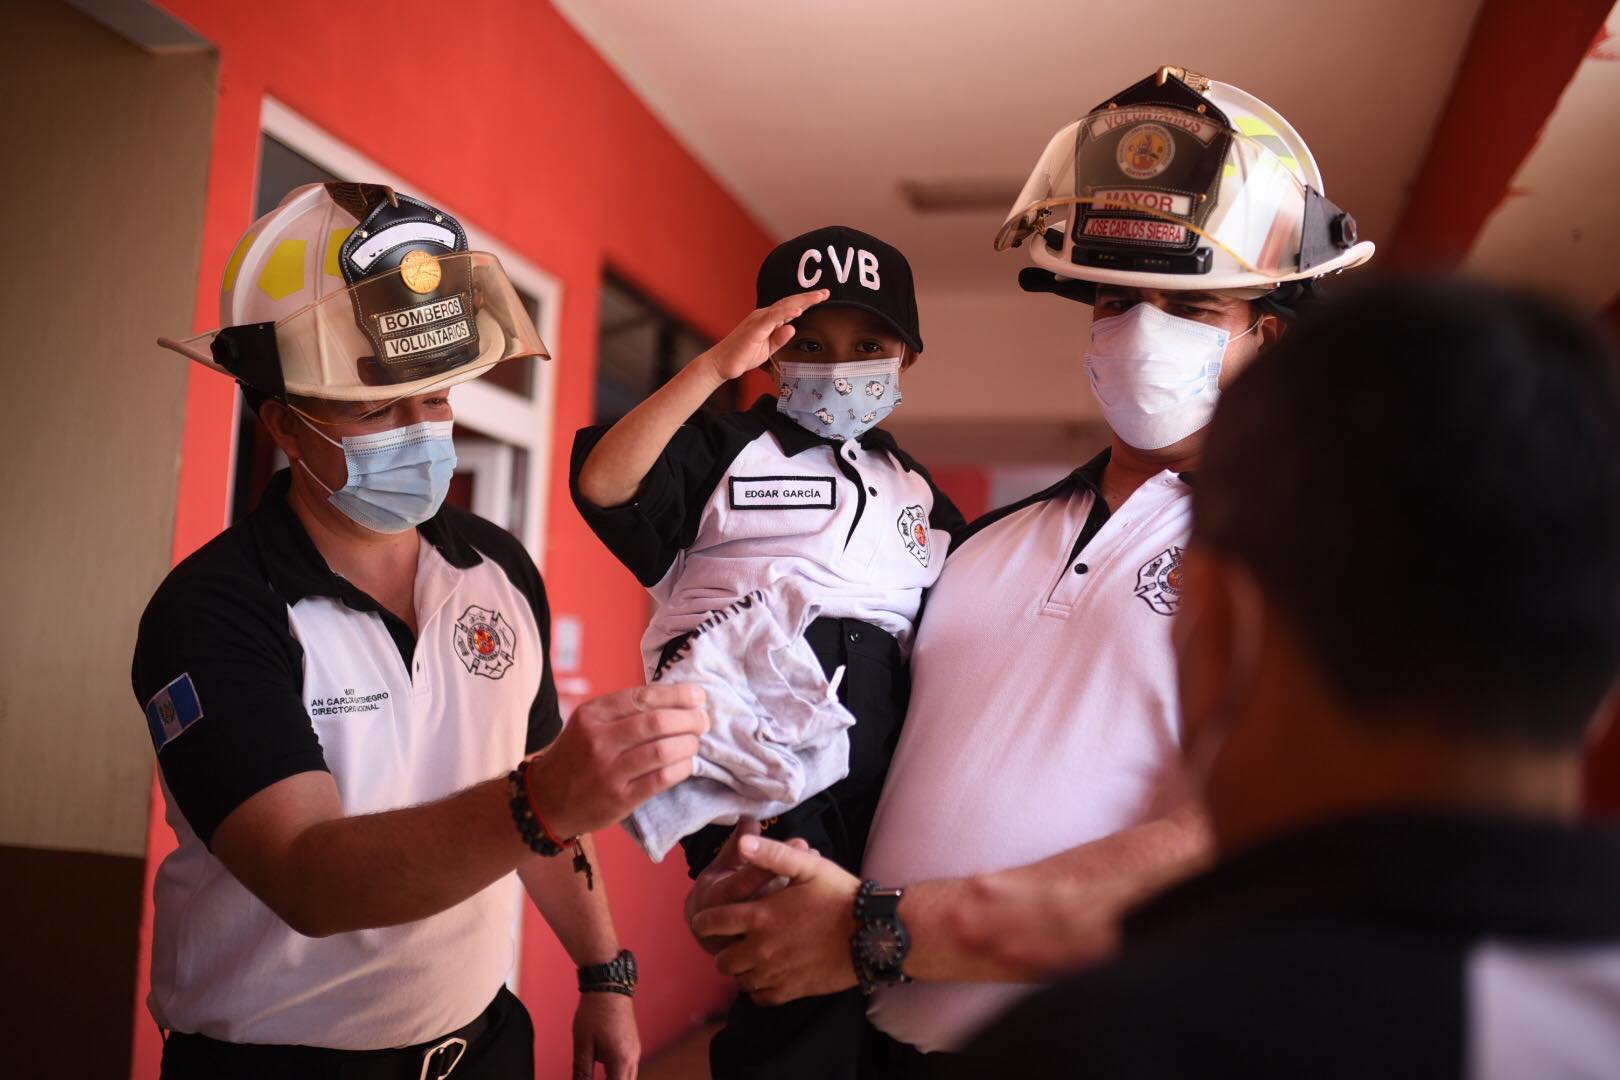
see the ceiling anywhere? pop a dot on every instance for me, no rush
(814, 113)
(1558, 229)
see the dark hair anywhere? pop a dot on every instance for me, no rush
(1424, 478)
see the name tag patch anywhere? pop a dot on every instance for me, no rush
(783, 493)
(171, 710)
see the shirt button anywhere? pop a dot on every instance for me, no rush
(871, 491)
(1081, 568)
(854, 637)
(852, 455)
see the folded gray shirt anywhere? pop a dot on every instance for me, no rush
(777, 732)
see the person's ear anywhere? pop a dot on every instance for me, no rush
(907, 357)
(1270, 328)
(278, 419)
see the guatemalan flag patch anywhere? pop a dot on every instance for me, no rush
(173, 709)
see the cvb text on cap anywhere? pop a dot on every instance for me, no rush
(863, 262)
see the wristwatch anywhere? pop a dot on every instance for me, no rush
(617, 976)
(880, 943)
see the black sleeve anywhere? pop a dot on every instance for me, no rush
(507, 552)
(220, 677)
(647, 534)
(545, 715)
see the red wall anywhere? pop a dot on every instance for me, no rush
(967, 486)
(501, 110)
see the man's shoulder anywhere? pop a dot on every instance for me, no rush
(217, 606)
(226, 571)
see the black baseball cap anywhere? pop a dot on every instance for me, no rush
(859, 270)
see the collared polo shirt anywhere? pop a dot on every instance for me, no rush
(256, 662)
(1043, 711)
(740, 501)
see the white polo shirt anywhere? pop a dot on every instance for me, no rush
(1043, 711)
(256, 662)
(740, 501)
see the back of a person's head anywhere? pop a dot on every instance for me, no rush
(1424, 478)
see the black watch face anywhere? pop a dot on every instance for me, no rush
(882, 946)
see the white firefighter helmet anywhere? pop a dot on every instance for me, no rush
(355, 293)
(1179, 182)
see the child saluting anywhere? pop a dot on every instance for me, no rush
(803, 489)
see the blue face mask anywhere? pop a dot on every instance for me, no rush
(397, 478)
(839, 401)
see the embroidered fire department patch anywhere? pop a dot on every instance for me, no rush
(913, 526)
(1158, 583)
(485, 642)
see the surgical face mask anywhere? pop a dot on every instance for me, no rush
(397, 478)
(839, 401)
(1156, 376)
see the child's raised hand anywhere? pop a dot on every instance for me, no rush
(760, 334)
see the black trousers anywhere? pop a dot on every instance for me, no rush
(503, 1050)
(824, 1038)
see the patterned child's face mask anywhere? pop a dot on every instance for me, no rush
(839, 401)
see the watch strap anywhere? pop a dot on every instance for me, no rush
(617, 976)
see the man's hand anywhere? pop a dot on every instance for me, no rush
(605, 1031)
(759, 335)
(795, 943)
(730, 879)
(616, 752)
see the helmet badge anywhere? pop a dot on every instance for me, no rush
(420, 271)
(1145, 151)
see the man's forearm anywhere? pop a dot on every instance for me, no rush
(580, 917)
(957, 924)
(371, 870)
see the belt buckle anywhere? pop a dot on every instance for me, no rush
(430, 1058)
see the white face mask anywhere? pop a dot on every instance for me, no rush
(1156, 376)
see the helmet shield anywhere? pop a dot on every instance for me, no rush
(1163, 190)
(431, 322)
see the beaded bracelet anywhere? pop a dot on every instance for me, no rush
(534, 830)
(863, 977)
